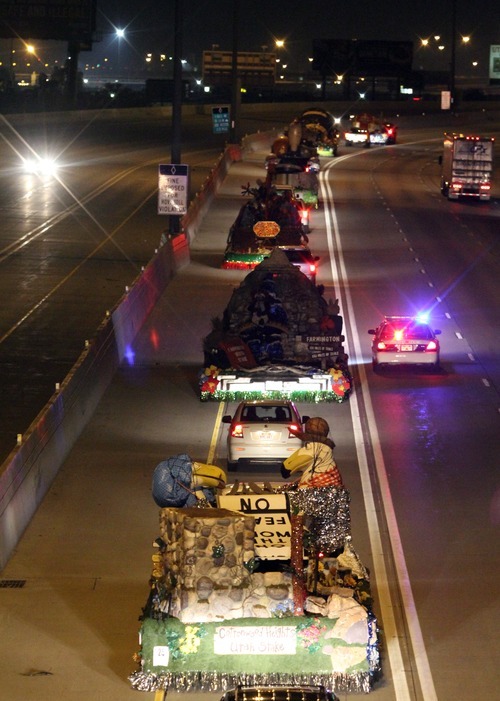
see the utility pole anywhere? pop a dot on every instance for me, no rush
(235, 89)
(453, 52)
(176, 101)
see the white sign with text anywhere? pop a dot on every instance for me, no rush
(255, 640)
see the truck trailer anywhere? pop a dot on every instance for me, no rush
(467, 166)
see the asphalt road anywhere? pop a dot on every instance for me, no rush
(417, 450)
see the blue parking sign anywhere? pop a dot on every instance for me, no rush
(220, 120)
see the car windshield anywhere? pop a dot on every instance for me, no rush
(277, 694)
(267, 412)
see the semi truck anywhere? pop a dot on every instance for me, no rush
(467, 166)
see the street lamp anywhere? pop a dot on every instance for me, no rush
(453, 66)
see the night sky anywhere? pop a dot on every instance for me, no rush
(149, 28)
(149, 24)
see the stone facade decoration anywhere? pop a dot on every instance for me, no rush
(206, 566)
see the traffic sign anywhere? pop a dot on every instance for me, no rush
(173, 189)
(220, 120)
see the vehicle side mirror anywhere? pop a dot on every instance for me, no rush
(316, 257)
(372, 331)
(305, 419)
(227, 419)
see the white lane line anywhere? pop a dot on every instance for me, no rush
(383, 586)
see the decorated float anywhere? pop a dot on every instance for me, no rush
(294, 161)
(319, 130)
(255, 584)
(273, 217)
(277, 338)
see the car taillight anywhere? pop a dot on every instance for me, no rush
(304, 214)
(237, 431)
(292, 427)
(398, 335)
(431, 346)
(312, 268)
(389, 131)
(381, 345)
(485, 186)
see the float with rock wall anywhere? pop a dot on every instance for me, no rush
(278, 338)
(254, 583)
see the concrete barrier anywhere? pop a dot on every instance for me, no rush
(29, 470)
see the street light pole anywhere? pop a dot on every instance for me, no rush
(235, 88)
(175, 150)
(453, 51)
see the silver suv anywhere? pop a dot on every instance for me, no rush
(259, 431)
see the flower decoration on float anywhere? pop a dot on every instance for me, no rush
(306, 396)
(284, 609)
(187, 644)
(208, 379)
(309, 633)
(341, 382)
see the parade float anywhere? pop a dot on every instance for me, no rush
(263, 224)
(319, 131)
(277, 338)
(294, 161)
(254, 584)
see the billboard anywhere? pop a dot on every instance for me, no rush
(254, 68)
(367, 58)
(495, 63)
(48, 19)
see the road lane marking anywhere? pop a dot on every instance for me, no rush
(399, 673)
(215, 433)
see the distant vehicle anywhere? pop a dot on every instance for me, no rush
(405, 340)
(301, 198)
(279, 693)
(43, 167)
(355, 136)
(303, 259)
(259, 432)
(467, 166)
(384, 134)
(366, 130)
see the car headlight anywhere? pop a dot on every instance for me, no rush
(40, 166)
